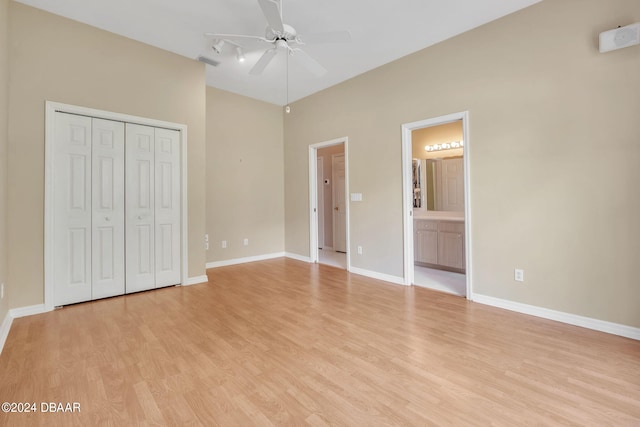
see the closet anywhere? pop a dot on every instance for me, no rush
(116, 208)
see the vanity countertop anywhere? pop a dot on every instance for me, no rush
(439, 217)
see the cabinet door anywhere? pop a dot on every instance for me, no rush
(426, 246)
(451, 249)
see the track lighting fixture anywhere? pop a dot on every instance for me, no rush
(217, 46)
(239, 54)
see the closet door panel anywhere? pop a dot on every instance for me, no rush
(72, 209)
(139, 207)
(108, 208)
(167, 207)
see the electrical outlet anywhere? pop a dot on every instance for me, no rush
(206, 246)
(224, 244)
(245, 242)
(206, 237)
(2, 291)
(359, 250)
(518, 275)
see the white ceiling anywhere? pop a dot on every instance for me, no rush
(381, 32)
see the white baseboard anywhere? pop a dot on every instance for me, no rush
(380, 276)
(297, 257)
(235, 261)
(559, 316)
(4, 330)
(28, 311)
(196, 280)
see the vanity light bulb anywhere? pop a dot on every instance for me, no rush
(445, 146)
(428, 147)
(461, 143)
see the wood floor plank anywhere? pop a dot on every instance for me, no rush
(281, 342)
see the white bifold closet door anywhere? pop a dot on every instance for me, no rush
(117, 207)
(88, 217)
(152, 207)
(107, 228)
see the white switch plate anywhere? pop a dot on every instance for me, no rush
(518, 275)
(224, 244)
(206, 237)
(206, 246)
(359, 250)
(356, 197)
(245, 242)
(2, 291)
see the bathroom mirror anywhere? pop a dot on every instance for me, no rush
(438, 184)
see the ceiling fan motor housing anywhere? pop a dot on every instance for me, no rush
(289, 33)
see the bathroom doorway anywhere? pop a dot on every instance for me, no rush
(435, 197)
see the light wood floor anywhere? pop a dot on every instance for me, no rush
(282, 342)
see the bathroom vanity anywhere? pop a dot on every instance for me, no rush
(439, 243)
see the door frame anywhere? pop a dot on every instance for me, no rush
(313, 197)
(407, 193)
(51, 108)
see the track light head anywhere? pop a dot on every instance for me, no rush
(240, 54)
(217, 46)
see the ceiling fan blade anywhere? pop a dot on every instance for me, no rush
(262, 63)
(309, 63)
(328, 37)
(271, 12)
(236, 36)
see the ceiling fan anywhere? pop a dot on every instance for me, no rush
(280, 37)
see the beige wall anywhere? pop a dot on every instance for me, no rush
(245, 176)
(4, 111)
(326, 154)
(540, 98)
(53, 58)
(440, 134)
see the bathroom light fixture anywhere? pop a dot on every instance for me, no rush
(444, 146)
(239, 54)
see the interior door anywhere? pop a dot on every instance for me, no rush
(107, 233)
(453, 185)
(72, 209)
(139, 207)
(167, 207)
(320, 200)
(339, 204)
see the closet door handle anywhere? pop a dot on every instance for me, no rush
(106, 218)
(139, 216)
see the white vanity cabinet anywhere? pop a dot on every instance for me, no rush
(439, 244)
(425, 242)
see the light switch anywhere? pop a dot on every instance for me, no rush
(356, 197)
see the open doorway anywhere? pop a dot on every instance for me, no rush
(436, 204)
(328, 178)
